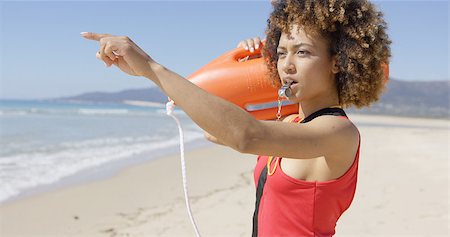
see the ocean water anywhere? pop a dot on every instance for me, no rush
(43, 142)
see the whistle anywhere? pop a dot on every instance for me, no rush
(285, 90)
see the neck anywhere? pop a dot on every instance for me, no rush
(308, 107)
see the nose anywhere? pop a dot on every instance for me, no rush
(288, 66)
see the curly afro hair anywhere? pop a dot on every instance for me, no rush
(356, 33)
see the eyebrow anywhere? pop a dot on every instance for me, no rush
(295, 46)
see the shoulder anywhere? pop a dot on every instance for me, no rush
(339, 123)
(323, 136)
(340, 134)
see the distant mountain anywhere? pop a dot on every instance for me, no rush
(412, 98)
(152, 94)
(401, 98)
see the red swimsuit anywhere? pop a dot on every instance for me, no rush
(293, 207)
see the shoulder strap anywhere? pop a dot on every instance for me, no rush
(263, 176)
(259, 192)
(325, 111)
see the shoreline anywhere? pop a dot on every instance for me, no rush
(104, 171)
(402, 190)
(147, 191)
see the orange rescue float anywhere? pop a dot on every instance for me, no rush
(245, 83)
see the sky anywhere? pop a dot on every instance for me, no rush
(43, 56)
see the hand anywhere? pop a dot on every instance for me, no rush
(122, 52)
(250, 44)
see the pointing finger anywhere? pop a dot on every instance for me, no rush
(94, 36)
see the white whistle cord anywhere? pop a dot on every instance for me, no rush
(169, 109)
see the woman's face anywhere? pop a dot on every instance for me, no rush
(305, 60)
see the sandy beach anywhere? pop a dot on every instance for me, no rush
(402, 190)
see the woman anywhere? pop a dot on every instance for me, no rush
(330, 52)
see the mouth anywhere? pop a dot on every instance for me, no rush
(289, 80)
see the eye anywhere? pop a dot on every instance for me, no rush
(303, 52)
(281, 54)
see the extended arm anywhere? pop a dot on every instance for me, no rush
(236, 128)
(226, 122)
